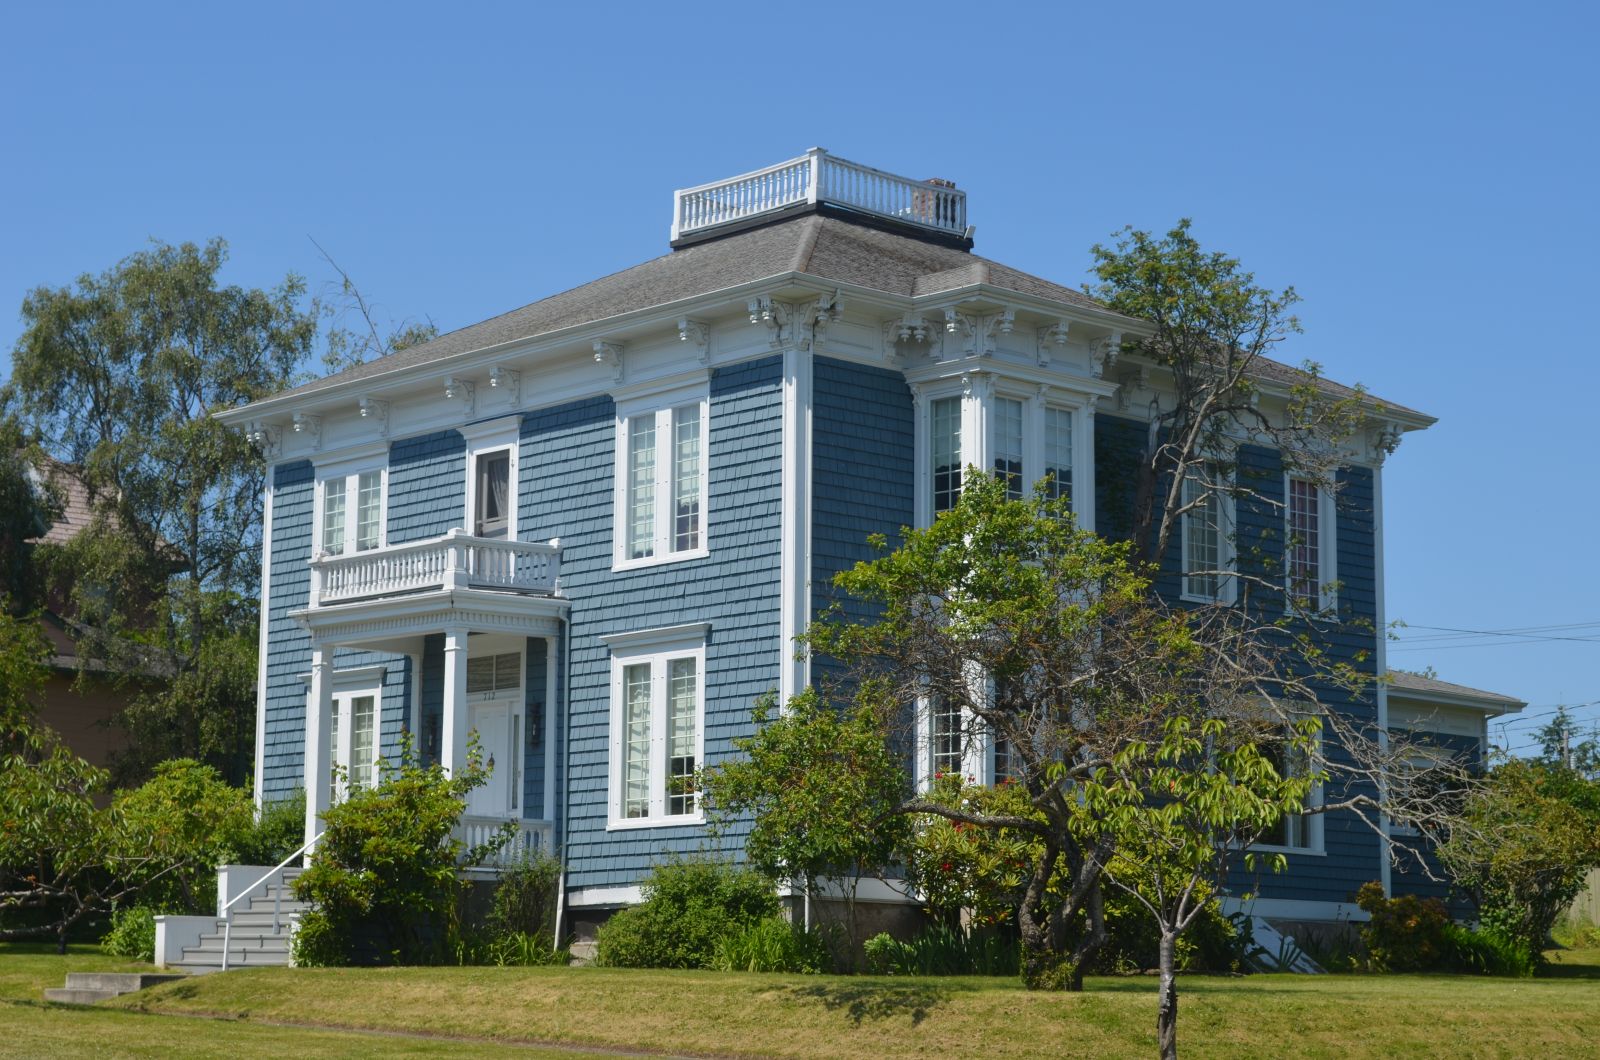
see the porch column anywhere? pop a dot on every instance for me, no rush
(319, 764)
(453, 749)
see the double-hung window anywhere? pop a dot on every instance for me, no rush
(944, 452)
(657, 727)
(1294, 831)
(352, 512)
(1058, 452)
(661, 510)
(1008, 446)
(1309, 536)
(1207, 546)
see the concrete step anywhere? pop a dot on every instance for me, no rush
(78, 997)
(263, 922)
(267, 905)
(88, 988)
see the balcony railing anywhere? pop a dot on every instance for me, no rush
(452, 561)
(819, 177)
(529, 837)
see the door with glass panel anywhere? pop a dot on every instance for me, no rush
(353, 746)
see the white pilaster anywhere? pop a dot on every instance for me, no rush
(318, 761)
(453, 741)
(549, 734)
(1083, 466)
(261, 644)
(1381, 651)
(795, 524)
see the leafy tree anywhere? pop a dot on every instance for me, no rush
(118, 375)
(821, 785)
(186, 820)
(1214, 331)
(1522, 845)
(28, 506)
(1181, 807)
(1043, 636)
(383, 880)
(1562, 745)
(366, 338)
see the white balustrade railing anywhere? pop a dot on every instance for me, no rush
(528, 837)
(819, 177)
(455, 560)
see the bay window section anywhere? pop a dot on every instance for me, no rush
(1008, 446)
(946, 738)
(1058, 452)
(944, 450)
(661, 492)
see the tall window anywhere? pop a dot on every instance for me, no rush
(1008, 445)
(661, 503)
(365, 492)
(945, 452)
(1299, 831)
(1205, 543)
(1308, 545)
(1058, 451)
(658, 712)
(947, 743)
(353, 740)
(492, 495)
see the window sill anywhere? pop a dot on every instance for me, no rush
(629, 824)
(619, 565)
(1274, 848)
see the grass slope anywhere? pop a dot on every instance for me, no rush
(1344, 1017)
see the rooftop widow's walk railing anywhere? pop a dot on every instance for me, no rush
(816, 177)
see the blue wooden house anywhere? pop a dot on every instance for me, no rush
(589, 530)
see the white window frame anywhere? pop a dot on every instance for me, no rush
(1227, 584)
(1327, 545)
(486, 439)
(348, 685)
(664, 407)
(657, 648)
(350, 476)
(1312, 823)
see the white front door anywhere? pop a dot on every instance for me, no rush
(497, 743)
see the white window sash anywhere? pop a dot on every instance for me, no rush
(642, 747)
(1323, 595)
(648, 498)
(349, 523)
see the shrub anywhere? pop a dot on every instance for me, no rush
(524, 901)
(1405, 933)
(689, 904)
(773, 944)
(383, 882)
(132, 934)
(173, 831)
(943, 950)
(1487, 952)
(276, 834)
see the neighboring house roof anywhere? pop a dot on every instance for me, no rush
(76, 507)
(815, 244)
(1431, 689)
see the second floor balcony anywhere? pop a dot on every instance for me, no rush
(454, 560)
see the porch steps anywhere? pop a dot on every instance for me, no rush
(1277, 952)
(87, 988)
(253, 941)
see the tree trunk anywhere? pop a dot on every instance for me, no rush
(1167, 1010)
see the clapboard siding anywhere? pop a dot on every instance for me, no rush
(567, 456)
(863, 476)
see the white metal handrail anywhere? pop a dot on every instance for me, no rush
(455, 560)
(277, 899)
(815, 177)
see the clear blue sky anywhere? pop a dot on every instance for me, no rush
(1424, 174)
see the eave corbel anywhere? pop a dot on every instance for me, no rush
(375, 411)
(697, 334)
(309, 425)
(1130, 383)
(1052, 338)
(507, 381)
(1103, 355)
(267, 437)
(610, 354)
(462, 390)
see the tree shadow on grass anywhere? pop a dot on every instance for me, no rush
(876, 1001)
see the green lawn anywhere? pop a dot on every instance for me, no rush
(468, 1010)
